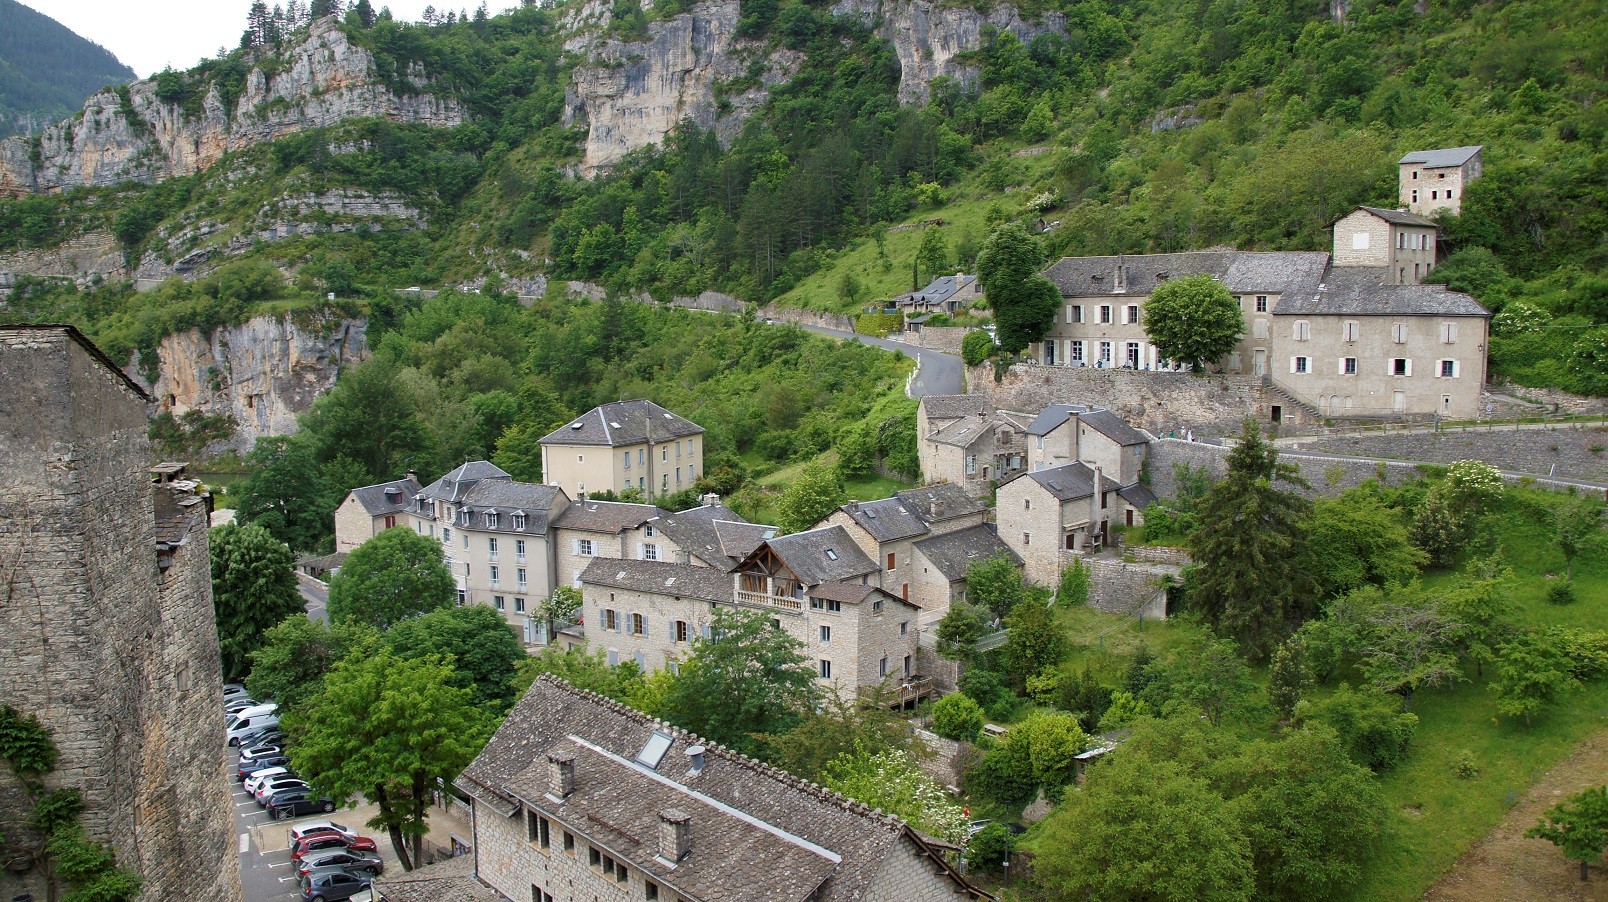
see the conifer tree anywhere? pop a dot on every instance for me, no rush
(258, 23)
(365, 13)
(1254, 582)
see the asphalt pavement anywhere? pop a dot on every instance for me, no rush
(317, 601)
(936, 373)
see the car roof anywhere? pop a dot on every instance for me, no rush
(302, 830)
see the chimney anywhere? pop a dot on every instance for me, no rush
(413, 477)
(936, 509)
(695, 760)
(560, 775)
(675, 839)
(1094, 500)
(710, 499)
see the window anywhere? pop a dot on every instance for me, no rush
(1105, 313)
(1132, 357)
(496, 575)
(649, 531)
(1299, 365)
(519, 605)
(1415, 177)
(664, 454)
(650, 890)
(491, 546)
(1434, 194)
(538, 831)
(1105, 500)
(1105, 353)
(1401, 366)
(1303, 330)
(520, 578)
(1448, 369)
(390, 521)
(1348, 366)
(650, 551)
(1027, 504)
(1415, 190)
(1261, 303)
(519, 523)
(831, 555)
(519, 551)
(446, 534)
(614, 657)
(971, 465)
(1449, 333)
(1398, 333)
(639, 624)
(492, 519)
(882, 667)
(583, 547)
(1448, 194)
(904, 627)
(665, 483)
(628, 460)
(1351, 330)
(833, 607)
(826, 635)
(826, 669)
(1401, 241)
(1259, 328)
(1027, 539)
(641, 459)
(1359, 241)
(876, 606)
(498, 602)
(678, 632)
(892, 565)
(594, 857)
(1077, 351)
(1133, 314)
(611, 619)
(536, 894)
(569, 842)
(1074, 313)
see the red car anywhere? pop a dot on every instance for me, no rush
(321, 841)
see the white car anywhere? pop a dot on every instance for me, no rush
(267, 773)
(240, 726)
(268, 787)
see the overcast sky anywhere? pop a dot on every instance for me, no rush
(148, 35)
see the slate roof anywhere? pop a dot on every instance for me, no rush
(1243, 272)
(1361, 291)
(455, 485)
(854, 593)
(1115, 428)
(962, 433)
(660, 578)
(376, 502)
(739, 539)
(806, 555)
(712, 533)
(1399, 217)
(938, 290)
(623, 423)
(952, 500)
(609, 517)
(888, 520)
(1052, 417)
(1447, 156)
(1139, 495)
(949, 407)
(1067, 483)
(953, 552)
(508, 498)
(452, 880)
(756, 832)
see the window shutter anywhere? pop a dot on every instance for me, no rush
(672, 631)
(705, 631)
(1342, 362)
(1409, 366)
(644, 624)
(1457, 369)
(1292, 364)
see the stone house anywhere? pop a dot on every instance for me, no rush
(1402, 244)
(591, 529)
(945, 294)
(962, 439)
(1041, 513)
(579, 797)
(649, 611)
(711, 535)
(624, 445)
(1434, 180)
(371, 508)
(1063, 433)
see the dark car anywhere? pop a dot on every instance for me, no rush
(345, 859)
(289, 803)
(334, 885)
(259, 737)
(322, 841)
(247, 768)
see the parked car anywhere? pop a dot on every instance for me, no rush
(240, 726)
(262, 776)
(247, 769)
(259, 750)
(288, 803)
(280, 783)
(345, 859)
(261, 736)
(333, 886)
(231, 707)
(319, 841)
(232, 691)
(254, 709)
(311, 828)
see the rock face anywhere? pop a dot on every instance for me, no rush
(320, 82)
(261, 374)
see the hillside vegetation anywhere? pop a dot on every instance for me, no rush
(1146, 127)
(46, 70)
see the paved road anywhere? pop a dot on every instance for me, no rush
(317, 601)
(265, 876)
(936, 373)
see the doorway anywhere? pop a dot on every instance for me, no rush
(1259, 361)
(1276, 415)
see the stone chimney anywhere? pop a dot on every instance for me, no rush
(710, 499)
(1094, 500)
(560, 775)
(413, 477)
(936, 509)
(675, 835)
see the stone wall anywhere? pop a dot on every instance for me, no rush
(116, 654)
(1564, 451)
(942, 338)
(1120, 587)
(807, 318)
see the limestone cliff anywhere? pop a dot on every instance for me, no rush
(321, 81)
(261, 374)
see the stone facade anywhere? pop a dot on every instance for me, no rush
(1044, 513)
(1564, 451)
(1403, 246)
(107, 627)
(1434, 180)
(1384, 366)
(624, 445)
(1121, 587)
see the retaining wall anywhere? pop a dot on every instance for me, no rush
(1564, 451)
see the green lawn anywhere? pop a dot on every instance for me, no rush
(870, 487)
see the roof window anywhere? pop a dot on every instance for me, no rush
(831, 555)
(575, 425)
(653, 752)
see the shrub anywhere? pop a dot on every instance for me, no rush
(1562, 592)
(988, 689)
(957, 716)
(1001, 775)
(1370, 724)
(976, 347)
(990, 848)
(1074, 585)
(1466, 767)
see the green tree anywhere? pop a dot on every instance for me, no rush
(519, 452)
(960, 629)
(956, 716)
(253, 588)
(392, 576)
(290, 664)
(840, 727)
(1253, 583)
(1036, 641)
(366, 419)
(1288, 677)
(1578, 826)
(1409, 645)
(1206, 673)
(282, 494)
(561, 605)
(1074, 591)
(1124, 711)
(1024, 302)
(1578, 521)
(1364, 542)
(476, 640)
(1532, 669)
(816, 492)
(748, 680)
(581, 669)
(894, 782)
(990, 848)
(932, 258)
(995, 584)
(1193, 320)
(976, 347)
(1052, 740)
(388, 728)
(1372, 728)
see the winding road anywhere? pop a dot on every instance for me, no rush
(936, 373)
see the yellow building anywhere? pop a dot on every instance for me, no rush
(624, 445)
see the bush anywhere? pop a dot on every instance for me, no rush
(1562, 592)
(990, 848)
(879, 323)
(976, 347)
(1001, 775)
(988, 689)
(957, 716)
(1370, 723)
(1466, 767)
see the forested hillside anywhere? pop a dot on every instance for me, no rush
(46, 70)
(1137, 126)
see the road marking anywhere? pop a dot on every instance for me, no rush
(245, 843)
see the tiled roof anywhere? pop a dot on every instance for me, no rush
(756, 832)
(953, 552)
(610, 517)
(888, 520)
(1399, 217)
(1073, 481)
(713, 533)
(739, 539)
(378, 501)
(821, 555)
(854, 593)
(1115, 428)
(1361, 291)
(178, 510)
(623, 423)
(1448, 156)
(660, 578)
(1139, 495)
(948, 407)
(962, 433)
(508, 499)
(452, 880)
(1242, 272)
(1052, 417)
(454, 486)
(938, 290)
(940, 501)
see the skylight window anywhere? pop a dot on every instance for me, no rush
(831, 555)
(653, 752)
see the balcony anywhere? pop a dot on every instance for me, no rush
(911, 690)
(766, 600)
(519, 558)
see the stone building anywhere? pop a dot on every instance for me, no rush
(624, 445)
(106, 628)
(1043, 512)
(579, 797)
(962, 439)
(371, 508)
(945, 294)
(1402, 244)
(591, 529)
(1434, 180)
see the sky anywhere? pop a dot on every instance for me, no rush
(150, 35)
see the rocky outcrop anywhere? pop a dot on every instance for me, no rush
(631, 94)
(260, 374)
(136, 136)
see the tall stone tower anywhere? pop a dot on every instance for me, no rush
(106, 623)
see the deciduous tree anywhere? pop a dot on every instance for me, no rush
(483, 651)
(747, 680)
(816, 492)
(995, 584)
(1288, 677)
(1532, 669)
(393, 576)
(1024, 302)
(839, 727)
(956, 716)
(1578, 826)
(1193, 320)
(290, 664)
(583, 670)
(892, 781)
(932, 258)
(253, 588)
(1036, 641)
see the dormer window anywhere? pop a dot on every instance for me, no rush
(519, 519)
(492, 517)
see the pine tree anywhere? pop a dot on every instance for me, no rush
(1254, 582)
(365, 13)
(258, 23)
(295, 15)
(1288, 678)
